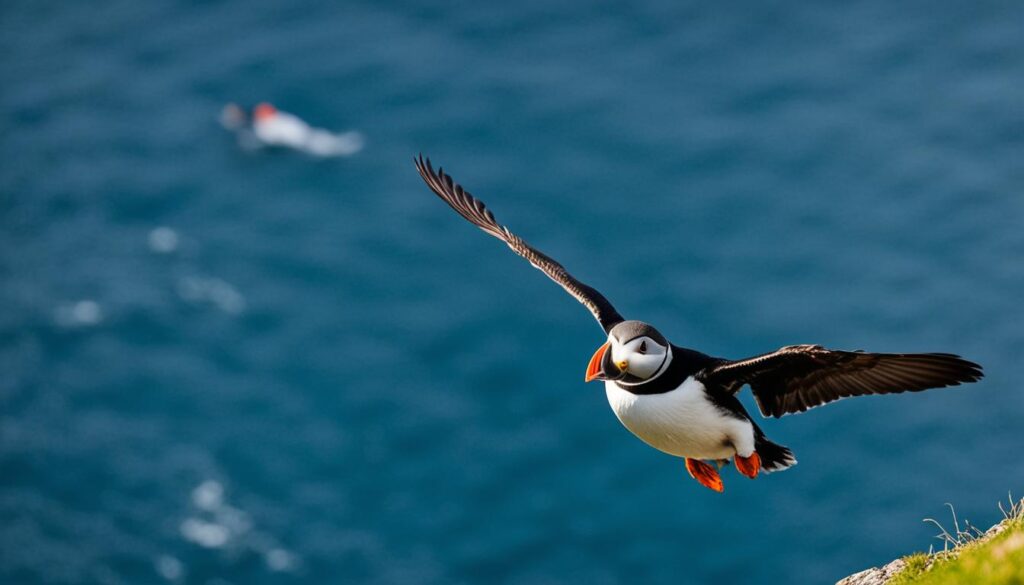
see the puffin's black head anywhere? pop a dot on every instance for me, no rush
(634, 353)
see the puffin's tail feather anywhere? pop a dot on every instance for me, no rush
(774, 457)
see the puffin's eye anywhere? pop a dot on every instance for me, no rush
(643, 347)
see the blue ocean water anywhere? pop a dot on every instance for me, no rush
(228, 367)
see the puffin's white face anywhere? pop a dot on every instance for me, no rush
(641, 357)
(634, 353)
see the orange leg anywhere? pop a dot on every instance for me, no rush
(749, 466)
(704, 474)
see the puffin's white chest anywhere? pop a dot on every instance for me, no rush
(682, 422)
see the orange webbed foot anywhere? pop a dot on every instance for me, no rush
(749, 466)
(704, 474)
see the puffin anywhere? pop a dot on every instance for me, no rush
(684, 402)
(271, 127)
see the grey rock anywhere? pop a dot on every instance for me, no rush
(874, 576)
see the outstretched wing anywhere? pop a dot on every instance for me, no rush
(477, 213)
(799, 377)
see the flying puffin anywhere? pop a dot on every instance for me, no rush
(270, 127)
(683, 402)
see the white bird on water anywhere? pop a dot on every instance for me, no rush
(271, 127)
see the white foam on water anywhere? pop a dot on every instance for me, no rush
(205, 534)
(215, 291)
(170, 568)
(163, 240)
(84, 313)
(215, 524)
(280, 560)
(226, 297)
(208, 495)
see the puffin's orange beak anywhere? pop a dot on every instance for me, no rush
(594, 367)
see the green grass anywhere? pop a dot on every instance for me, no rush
(970, 557)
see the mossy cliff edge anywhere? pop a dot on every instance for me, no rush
(995, 557)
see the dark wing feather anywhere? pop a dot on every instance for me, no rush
(477, 213)
(799, 377)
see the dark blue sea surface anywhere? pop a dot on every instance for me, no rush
(230, 367)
